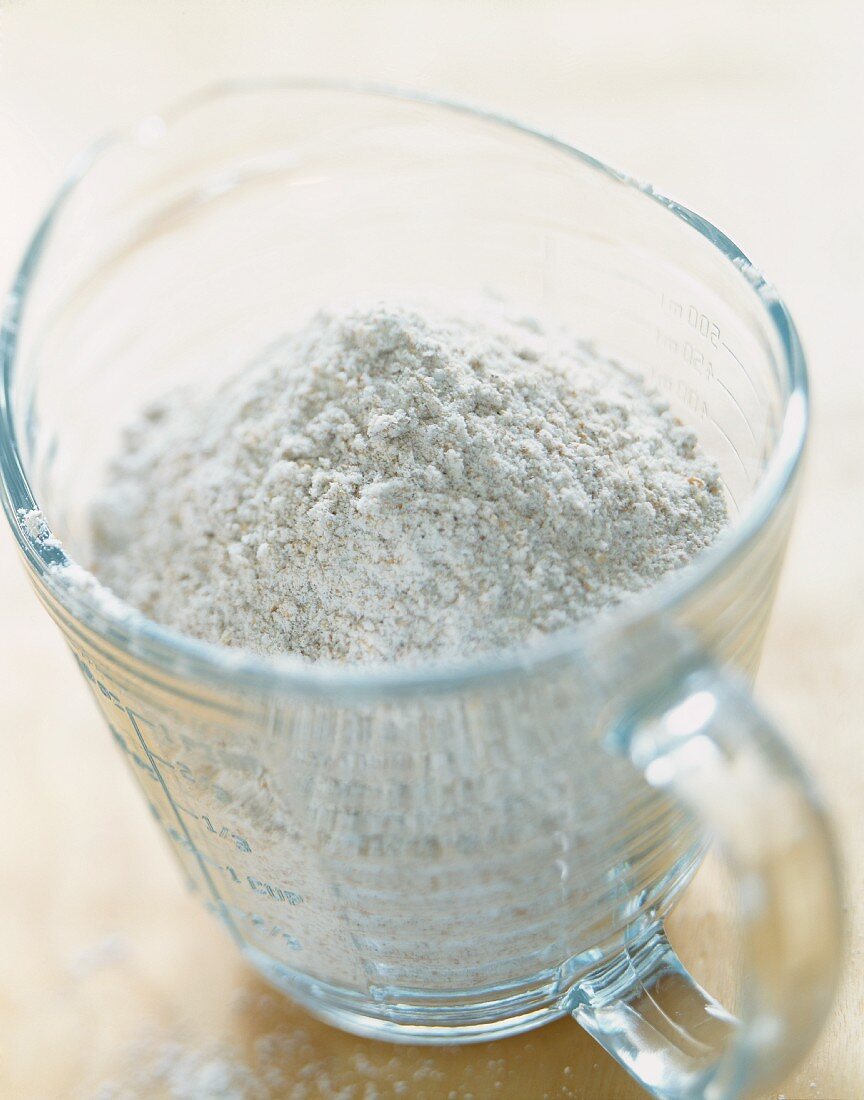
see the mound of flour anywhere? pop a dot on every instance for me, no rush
(389, 483)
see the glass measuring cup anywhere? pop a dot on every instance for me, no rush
(442, 853)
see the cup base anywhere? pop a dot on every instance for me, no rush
(385, 1015)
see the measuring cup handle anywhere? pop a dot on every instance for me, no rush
(708, 746)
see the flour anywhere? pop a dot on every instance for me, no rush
(293, 1063)
(394, 484)
(389, 483)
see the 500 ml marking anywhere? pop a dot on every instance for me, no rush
(692, 316)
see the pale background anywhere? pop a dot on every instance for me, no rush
(752, 114)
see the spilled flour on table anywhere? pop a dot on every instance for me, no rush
(292, 1064)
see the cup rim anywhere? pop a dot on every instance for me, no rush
(174, 653)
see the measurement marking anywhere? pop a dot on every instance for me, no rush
(734, 401)
(731, 494)
(746, 372)
(735, 357)
(731, 444)
(229, 923)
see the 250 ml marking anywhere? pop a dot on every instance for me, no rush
(691, 355)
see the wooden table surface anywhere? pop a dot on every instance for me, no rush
(751, 114)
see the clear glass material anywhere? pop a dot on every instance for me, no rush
(441, 853)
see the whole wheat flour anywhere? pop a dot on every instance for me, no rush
(390, 483)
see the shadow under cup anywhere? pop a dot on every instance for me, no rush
(440, 854)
